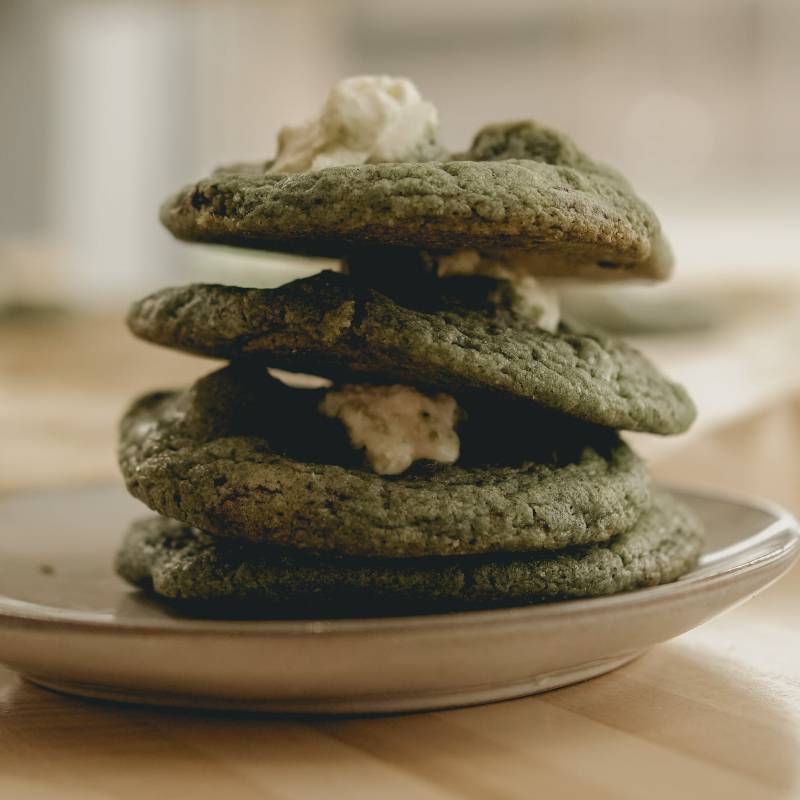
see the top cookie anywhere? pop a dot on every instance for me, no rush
(521, 189)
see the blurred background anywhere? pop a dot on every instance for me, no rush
(106, 107)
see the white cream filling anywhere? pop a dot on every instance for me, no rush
(395, 425)
(534, 295)
(365, 119)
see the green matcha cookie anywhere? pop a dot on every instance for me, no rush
(184, 563)
(333, 326)
(243, 456)
(520, 187)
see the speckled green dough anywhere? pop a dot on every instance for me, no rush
(521, 187)
(182, 563)
(329, 325)
(224, 457)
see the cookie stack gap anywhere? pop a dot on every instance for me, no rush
(466, 453)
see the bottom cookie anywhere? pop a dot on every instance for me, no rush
(185, 564)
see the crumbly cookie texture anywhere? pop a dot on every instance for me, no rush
(521, 188)
(331, 326)
(365, 120)
(395, 425)
(180, 562)
(210, 457)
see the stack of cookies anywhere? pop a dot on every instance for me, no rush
(459, 447)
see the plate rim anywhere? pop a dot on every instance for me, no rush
(16, 614)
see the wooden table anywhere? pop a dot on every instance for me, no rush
(715, 713)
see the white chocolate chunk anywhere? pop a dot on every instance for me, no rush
(395, 425)
(365, 119)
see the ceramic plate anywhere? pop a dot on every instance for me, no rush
(68, 623)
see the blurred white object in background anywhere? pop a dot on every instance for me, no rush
(117, 90)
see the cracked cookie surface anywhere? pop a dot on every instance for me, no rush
(520, 187)
(330, 325)
(242, 456)
(179, 562)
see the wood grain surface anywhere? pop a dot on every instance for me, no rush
(715, 713)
